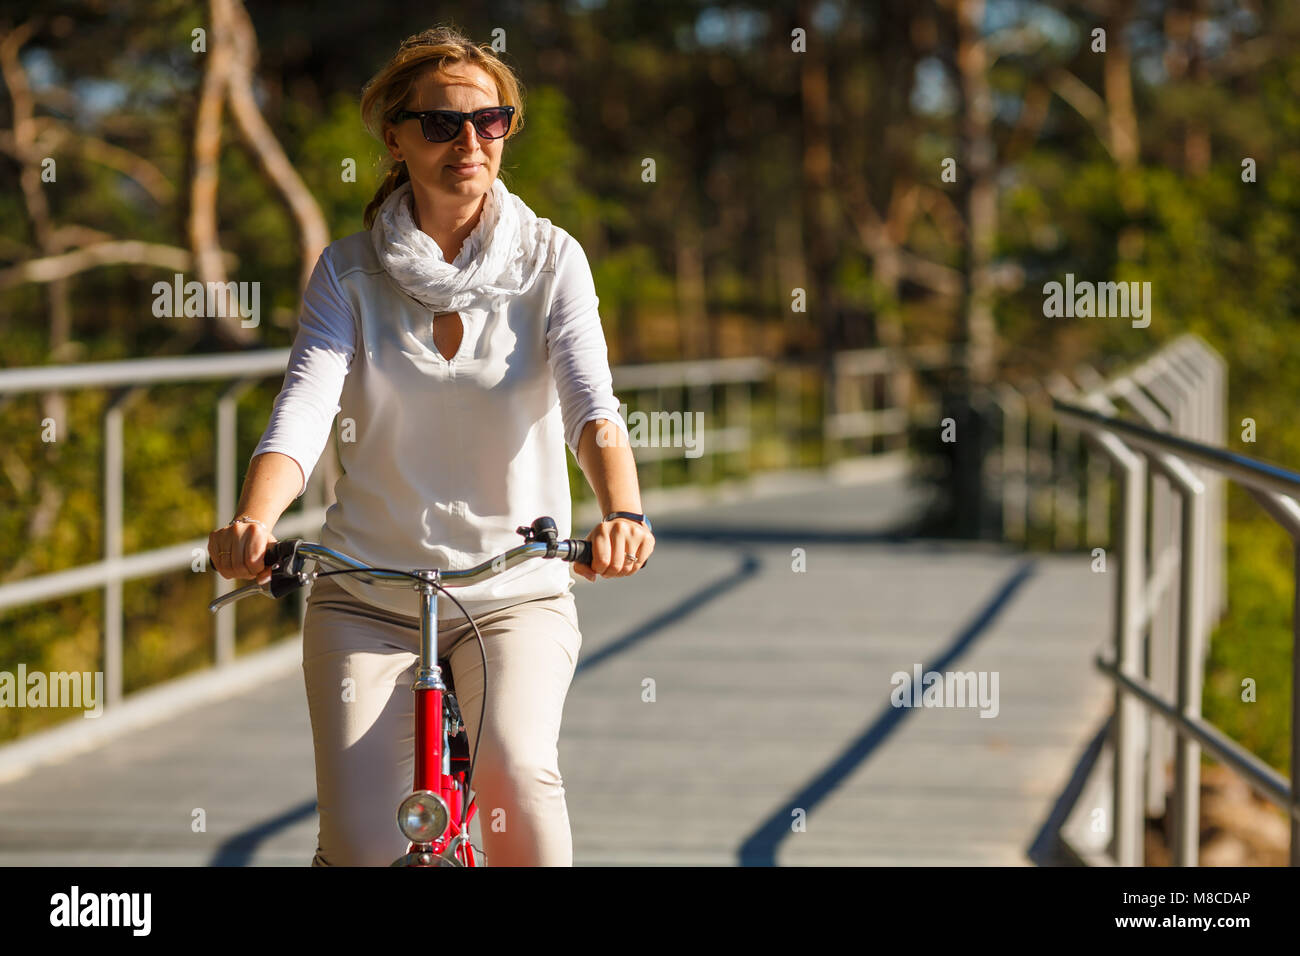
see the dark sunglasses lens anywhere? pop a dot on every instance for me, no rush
(440, 127)
(493, 124)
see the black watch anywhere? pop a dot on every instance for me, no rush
(643, 519)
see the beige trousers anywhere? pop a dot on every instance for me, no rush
(359, 664)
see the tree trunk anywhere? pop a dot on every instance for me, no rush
(979, 331)
(313, 233)
(1122, 126)
(203, 236)
(818, 199)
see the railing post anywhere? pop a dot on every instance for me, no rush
(894, 400)
(1039, 460)
(1190, 378)
(898, 395)
(1130, 613)
(1015, 478)
(1187, 757)
(738, 398)
(113, 467)
(1162, 643)
(701, 395)
(1194, 369)
(1097, 493)
(1129, 815)
(867, 389)
(227, 478)
(1218, 557)
(830, 406)
(1098, 499)
(1065, 510)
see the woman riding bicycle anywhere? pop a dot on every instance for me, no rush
(458, 340)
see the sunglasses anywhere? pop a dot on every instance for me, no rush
(439, 126)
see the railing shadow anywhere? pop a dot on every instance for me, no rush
(760, 847)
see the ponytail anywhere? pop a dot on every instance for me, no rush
(397, 175)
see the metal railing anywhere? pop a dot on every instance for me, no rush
(1179, 397)
(728, 385)
(1053, 488)
(131, 378)
(868, 398)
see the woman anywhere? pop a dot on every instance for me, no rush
(459, 342)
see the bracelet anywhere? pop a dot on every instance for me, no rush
(251, 520)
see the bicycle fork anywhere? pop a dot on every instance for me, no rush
(434, 818)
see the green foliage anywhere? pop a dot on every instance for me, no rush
(1255, 642)
(320, 144)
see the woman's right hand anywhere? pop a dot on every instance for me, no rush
(238, 550)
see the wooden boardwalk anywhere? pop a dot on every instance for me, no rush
(772, 705)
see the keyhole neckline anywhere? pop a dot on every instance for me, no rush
(459, 339)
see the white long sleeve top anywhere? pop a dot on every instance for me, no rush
(444, 459)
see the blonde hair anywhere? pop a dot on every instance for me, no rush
(431, 50)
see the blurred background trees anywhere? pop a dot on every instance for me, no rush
(796, 146)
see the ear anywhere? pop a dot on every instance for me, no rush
(390, 140)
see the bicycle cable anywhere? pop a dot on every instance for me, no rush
(482, 707)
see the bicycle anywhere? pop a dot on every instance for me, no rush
(436, 816)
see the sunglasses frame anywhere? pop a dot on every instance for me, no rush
(402, 115)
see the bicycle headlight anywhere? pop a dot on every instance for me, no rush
(423, 817)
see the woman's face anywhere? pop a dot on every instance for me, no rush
(460, 87)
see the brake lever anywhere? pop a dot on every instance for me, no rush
(232, 596)
(286, 576)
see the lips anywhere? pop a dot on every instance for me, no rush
(464, 167)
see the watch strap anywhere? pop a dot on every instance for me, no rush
(632, 515)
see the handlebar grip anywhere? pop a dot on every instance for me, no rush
(281, 553)
(278, 551)
(582, 554)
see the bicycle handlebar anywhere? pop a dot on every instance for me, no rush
(286, 558)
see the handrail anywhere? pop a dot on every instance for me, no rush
(1171, 455)
(146, 371)
(1248, 471)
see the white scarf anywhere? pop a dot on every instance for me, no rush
(505, 252)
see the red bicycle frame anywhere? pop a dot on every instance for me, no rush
(430, 745)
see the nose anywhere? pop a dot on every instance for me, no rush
(469, 138)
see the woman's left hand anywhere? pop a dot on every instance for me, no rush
(611, 544)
